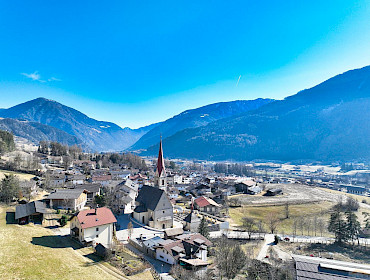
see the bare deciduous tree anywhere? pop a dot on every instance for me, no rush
(272, 221)
(249, 225)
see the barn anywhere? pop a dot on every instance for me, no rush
(30, 212)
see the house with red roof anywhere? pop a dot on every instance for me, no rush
(207, 205)
(93, 226)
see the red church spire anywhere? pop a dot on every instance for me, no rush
(160, 161)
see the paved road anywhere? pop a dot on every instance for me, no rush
(162, 268)
(269, 240)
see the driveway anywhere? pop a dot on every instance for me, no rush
(162, 268)
(269, 240)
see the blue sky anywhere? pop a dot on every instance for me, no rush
(139, 62)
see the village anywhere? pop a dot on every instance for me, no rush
(167, 217)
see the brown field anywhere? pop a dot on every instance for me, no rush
(21, 176)
(260, 212)
(347, 253)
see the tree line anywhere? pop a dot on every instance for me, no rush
(236, 169)
(57, 149)
(6, 142)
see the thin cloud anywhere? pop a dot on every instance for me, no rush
(53, 79)
(237, 83)
(35, 76)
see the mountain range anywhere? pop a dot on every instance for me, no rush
(44, 119)
(196, 118)
(330, 121)
(96, 135)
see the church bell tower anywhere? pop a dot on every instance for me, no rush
(160, 179)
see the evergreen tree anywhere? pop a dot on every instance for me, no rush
(338, 226)
(353, 226)
(203, 228)
(9, 188)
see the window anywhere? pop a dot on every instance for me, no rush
(97, 236)
(97, 229)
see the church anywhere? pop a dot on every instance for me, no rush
(153, 207)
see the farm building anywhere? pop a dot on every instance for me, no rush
(319, 268)
(30, 212)
(71, 199)
(356, 190)
(273, 192)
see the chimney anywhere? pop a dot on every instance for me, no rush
(96, 210)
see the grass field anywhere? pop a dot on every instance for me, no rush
(21, 176)
(34, 252)
(285, 225)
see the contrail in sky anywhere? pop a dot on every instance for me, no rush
(237, 83)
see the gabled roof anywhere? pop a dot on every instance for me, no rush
(173, 231)
(194, 239)
(95, 217)
(149, 196)
(66, 194)
(205, 201)
(89, 187)
(24, 210)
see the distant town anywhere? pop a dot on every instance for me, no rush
(154, 218)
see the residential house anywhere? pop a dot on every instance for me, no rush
(125, 195)
(139, 179)
(253, 190)
(242, 187)
(153, 208)
(104, 180)
(92, 190)
(93, 226)
(207, 205)
(183, 247)
(120, 174)
(30, 212)
(171, 233)
(55, 180)
(71, 199)
(75, 179)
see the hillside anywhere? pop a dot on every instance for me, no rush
(330, 121)
(97, 135)
(196, 118)
(36, 132)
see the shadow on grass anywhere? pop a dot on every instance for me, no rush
(95, 258)
(52, 227)
(10, 218)
(55, 241)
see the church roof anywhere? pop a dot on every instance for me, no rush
(149, 197)
(160, 162)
